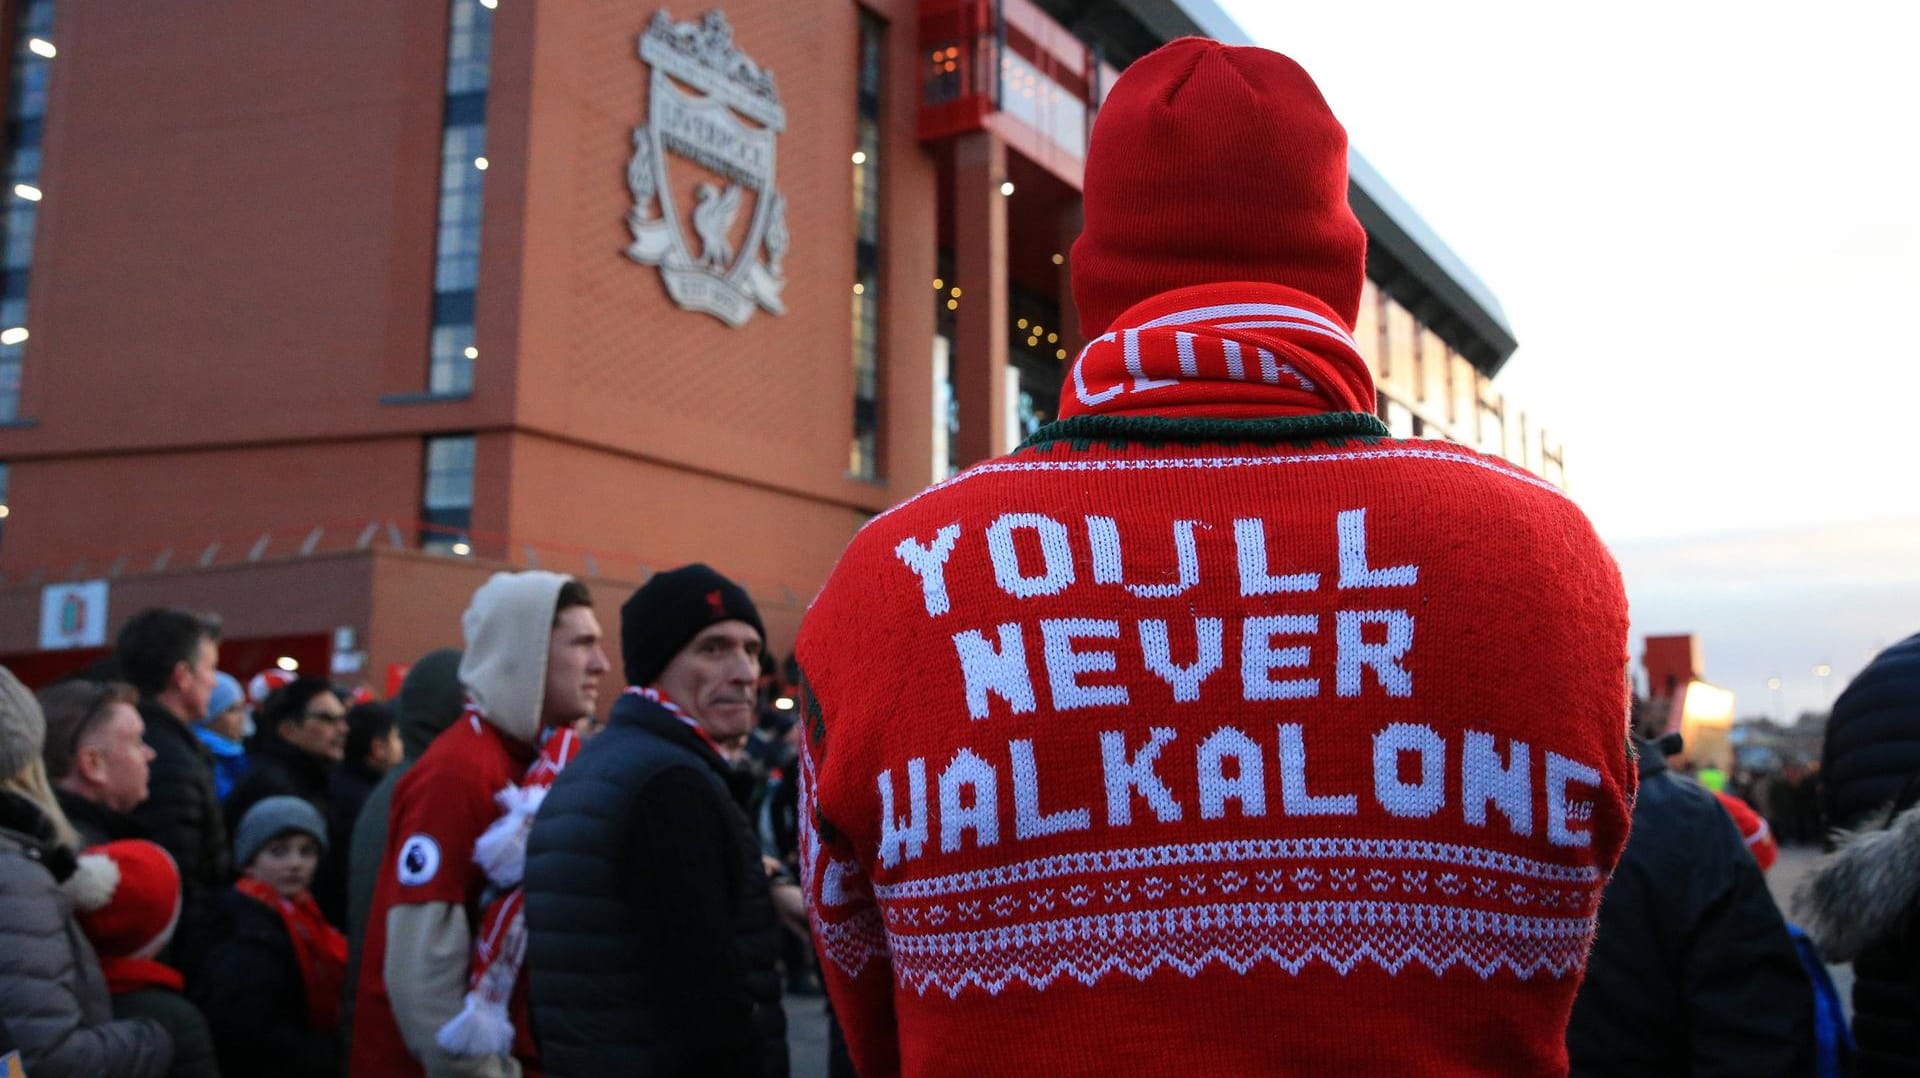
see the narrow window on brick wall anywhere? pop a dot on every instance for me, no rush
(463, 167)
(863, 455)
(32, 64)
(446, 495)
(6, 476)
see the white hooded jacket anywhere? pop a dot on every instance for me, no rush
(504, 668)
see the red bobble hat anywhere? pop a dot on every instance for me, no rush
(1247, 181)
(266, 683)
(1753, 829)
(132, 901)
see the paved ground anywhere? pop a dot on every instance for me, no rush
(807, 1023)
(807, 1036)
(1794, 863)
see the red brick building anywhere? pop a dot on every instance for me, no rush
(316, 314)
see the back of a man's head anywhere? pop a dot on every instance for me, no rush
(1213, 711)
(430, 699)
(1211, 164)
(154, 642)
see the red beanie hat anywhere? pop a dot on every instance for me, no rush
(1754, 829)
(131, 900)
(1213, 163)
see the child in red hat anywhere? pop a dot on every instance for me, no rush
(271, 987)
(128, 904)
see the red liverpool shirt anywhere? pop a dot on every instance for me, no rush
(440, 807)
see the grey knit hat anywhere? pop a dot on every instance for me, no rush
(272, 817)
(23, 726)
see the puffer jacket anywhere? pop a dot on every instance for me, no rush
(1692, 970)
(52, 996)
(182, 812)
(1862, 905)
(651, 934)
(1872, 752)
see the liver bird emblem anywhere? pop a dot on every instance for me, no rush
(713, 215)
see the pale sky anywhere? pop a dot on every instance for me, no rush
(1701, 219)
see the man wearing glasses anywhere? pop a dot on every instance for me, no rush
(302, 736)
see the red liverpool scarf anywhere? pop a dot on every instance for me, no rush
(1227, 351)
(134, 974)
(318, 947)
(484, 1026)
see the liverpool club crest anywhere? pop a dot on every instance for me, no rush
(711, 106)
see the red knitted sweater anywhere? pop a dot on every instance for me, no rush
(1219, 745)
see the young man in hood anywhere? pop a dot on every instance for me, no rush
(533, 663)
(652, 936)
(1214, 729)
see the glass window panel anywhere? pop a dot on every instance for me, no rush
(449, 479)
(863, 452)
(459, 215)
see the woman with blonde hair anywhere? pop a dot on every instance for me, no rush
(53, 998)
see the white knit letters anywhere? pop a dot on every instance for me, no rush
(1410, 777)
(1258, 658)
(981, 815)
(1561, 773)
(1248, 783)
(1130, 355)
(1001, 671)
(1294, 798)
(903, 841)
(1157, 653)
(1028, 820)
(1055, 552)
(929, 563)
(1484, 781)
(1250, 543)
(1103, 535)
(1354, 652)
(1354, 573)
(1127, 777)
(1065, 665)
(1417, 800)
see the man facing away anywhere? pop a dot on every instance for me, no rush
(533, 663)
(1693, 971)
(1213, 730)
(169, 656)
(652, 936)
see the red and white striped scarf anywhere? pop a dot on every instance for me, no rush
(1228, 351)
(484, 1025)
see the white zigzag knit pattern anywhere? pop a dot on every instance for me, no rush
(1239, 936)
(1237, 904)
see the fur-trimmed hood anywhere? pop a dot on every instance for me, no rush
(1859, 893)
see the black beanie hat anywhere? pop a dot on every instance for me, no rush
(670, 610)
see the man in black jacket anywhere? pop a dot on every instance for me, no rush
(651, 934)
(1692, 969)
(302, 737)
(170, 656)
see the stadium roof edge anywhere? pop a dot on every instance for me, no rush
(1405, 255)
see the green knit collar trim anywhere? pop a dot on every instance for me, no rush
(1160, 429)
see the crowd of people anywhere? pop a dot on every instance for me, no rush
(1338, 780)
(202, 878)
